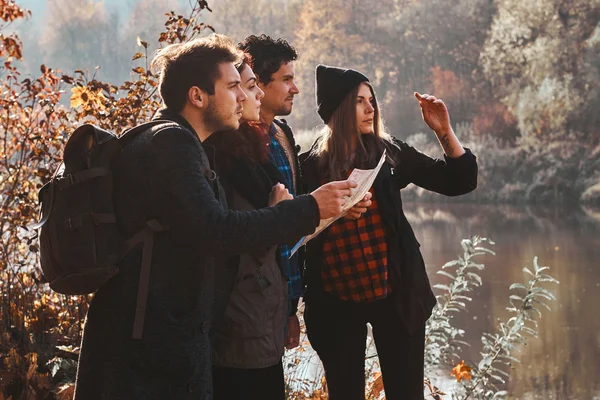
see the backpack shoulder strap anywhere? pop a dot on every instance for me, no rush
(156, 124)
(145, 235)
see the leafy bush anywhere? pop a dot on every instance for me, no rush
(40, 330)
(443, 345)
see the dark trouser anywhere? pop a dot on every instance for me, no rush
(338, 333)
(245, 383)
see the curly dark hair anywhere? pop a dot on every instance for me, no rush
(267, 55)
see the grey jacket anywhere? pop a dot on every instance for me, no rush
(251, 334)
(162, 174)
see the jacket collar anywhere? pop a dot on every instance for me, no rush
(170, 115)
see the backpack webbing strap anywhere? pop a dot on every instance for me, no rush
(147, 236)
(76, 222)
(79, 177)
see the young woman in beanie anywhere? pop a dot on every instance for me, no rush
(367, 268)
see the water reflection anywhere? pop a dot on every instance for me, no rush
(564, 362)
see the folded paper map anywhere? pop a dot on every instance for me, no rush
(364, 178)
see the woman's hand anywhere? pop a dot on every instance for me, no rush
(435, 113)
(278, 194)
(359, 208)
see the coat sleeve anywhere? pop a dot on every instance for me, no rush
(450, 176)
(193, 208)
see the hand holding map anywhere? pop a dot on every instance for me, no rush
(364, 179)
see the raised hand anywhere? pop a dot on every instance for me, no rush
(435, 113)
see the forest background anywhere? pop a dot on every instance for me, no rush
(520, 79)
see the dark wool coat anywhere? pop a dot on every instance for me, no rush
(162, 174)
(410, 286)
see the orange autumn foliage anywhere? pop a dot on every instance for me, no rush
(377, 386)
(40, 330)
(461, 371)
(446, 85)
(496, 120)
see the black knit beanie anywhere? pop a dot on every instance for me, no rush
(333, 85)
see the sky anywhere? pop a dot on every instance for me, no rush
(38, 7)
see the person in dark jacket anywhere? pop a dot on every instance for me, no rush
(249, 342)
(370, 269)
(272, 60)
(164, 174)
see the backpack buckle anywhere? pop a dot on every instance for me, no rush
(69, 224)
(210, 174)
(65, 181)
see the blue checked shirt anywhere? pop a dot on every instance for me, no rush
(290, 265)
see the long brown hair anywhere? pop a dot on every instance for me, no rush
(333, 147)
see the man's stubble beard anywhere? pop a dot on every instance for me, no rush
(284, 110)
(215, 120)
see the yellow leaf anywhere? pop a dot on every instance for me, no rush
(136, 56)
(79, 96)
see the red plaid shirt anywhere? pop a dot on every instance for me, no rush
(355, 258)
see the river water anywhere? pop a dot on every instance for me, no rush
(564, 361)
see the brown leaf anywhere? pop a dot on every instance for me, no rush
(136, 56)
(138, 70)
(141, 43)
(66, 392)
(377, 387)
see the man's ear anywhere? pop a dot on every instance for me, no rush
(197, 97)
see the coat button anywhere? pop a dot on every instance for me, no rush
(205, 327)
(192, 386)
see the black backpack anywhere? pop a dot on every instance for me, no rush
(80, 243)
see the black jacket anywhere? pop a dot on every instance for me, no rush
(410, 285)
(162, 174)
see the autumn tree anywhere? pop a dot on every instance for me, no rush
(339, 33)
(403, 46)
(238, 19)
(146, 20)
(537, 57)
(83, 34)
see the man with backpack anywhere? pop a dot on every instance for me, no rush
(147, 332)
